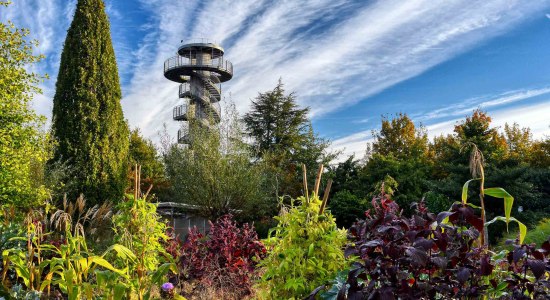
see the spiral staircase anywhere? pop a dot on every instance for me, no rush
(200, 69)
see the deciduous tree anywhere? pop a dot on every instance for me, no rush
(22, 145)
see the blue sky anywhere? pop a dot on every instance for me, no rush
(349, 61)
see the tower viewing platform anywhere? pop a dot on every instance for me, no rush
(200, 68)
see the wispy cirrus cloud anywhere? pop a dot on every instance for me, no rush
(333, 53)
(484, 102)
(361, 48)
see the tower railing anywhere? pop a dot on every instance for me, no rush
(219, 63)
(183, 133)
(184, 88)
(180, 111)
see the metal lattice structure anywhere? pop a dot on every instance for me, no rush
(200, 69)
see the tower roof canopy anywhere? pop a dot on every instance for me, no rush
(187, 50)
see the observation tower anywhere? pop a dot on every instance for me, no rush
(200, 69)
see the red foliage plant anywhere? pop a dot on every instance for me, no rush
(435, 257)
(225, 258)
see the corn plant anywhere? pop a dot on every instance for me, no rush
(477, 169)
(27, 260)
(69, 267)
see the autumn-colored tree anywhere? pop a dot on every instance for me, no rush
(399, 152)
(540, 153)
(477, 129)
(519, 142)
(400, 138)
(87, 122)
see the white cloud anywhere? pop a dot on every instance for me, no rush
(484, 102)
(333, 53)
(369, 49)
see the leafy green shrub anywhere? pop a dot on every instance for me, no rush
(139, 228)
(22, 149)
(305, 251)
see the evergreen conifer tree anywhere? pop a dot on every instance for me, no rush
(88, 122)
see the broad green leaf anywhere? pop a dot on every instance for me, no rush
(501, 286)
(120, 290)
(104, 263)
(121, 251)
(44, 284)
(465, 190)
(522, 227)
(508, 201)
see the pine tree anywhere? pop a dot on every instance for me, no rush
(284, 140)
(276, 123)
(88, 123)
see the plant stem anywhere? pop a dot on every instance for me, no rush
(484, 233)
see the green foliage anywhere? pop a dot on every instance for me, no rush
(44, 266)
(508, 162)
(345, 176)
(216, 174)
(22, 145)
(305, 251)
(283, 139)
(142, 152)
(347, 208)
(276, 122)
(140, 229)
(87, 121)
(508, 201)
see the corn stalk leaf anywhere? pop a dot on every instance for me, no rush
(122, 252)
(465, 191)
(104, 263)
(508, 201)
(522, 227)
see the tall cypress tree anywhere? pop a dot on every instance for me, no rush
(88, 121)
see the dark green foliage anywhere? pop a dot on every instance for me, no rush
(345, 176)
(88, 123)
(400, 150)
(276, 122)
(507, 163)
(283, 139)
(143, 153)
(347, 208)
